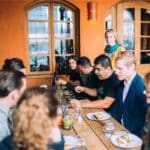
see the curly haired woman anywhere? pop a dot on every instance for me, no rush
(36, 127)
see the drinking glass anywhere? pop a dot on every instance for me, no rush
(79, 114)
(109, 129)
(64, 108)
(67, 122)
(81, 145)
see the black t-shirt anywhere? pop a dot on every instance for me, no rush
(90, 81)
(74, 75)
(108, 88)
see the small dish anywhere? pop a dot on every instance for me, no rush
(126, 140)
(70, 142)
(98, 116)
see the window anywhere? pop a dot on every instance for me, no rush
(53, 36)
(131, 20)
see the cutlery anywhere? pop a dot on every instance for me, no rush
(95, 117)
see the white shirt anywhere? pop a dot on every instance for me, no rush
(127, 85)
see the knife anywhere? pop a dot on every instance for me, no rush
(95, 117)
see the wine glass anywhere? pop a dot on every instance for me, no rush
(79, 114)
(109, 129)
(81, 145)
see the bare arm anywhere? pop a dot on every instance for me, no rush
(105, 103)
(89, 91)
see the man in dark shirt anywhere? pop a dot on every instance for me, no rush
(107, 85)
(88, 77)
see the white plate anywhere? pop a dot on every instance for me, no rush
(134, 141)
(70, 142)
(104, 115)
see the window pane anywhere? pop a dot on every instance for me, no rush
(39, 64)
(63, 29)
(128, 14)
(145, 43)
(39, 46)
(145, 28)
(145, 14)
(128, 43)
(128, 28)
(64, 46)
(61, 64)
(38, 13)
(145, 58)
(61, 13)
(38, 29)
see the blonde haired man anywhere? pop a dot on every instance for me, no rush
(131, 101)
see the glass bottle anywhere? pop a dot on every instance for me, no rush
(67, 46)
(68, 28)
(62, 10)
(71, 46)
(60, 69)
(61, 47)
(54, 82)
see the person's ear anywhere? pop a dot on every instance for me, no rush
(109, 68)
(15, 95)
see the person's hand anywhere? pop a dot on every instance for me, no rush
(75, 103)
(147, 93)
(148, 97)
(76, 83)
(60, 81)
(79, 89)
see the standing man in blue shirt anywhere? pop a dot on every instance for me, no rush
(131, 103)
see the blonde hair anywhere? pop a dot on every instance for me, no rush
(114, 33)
(33, 125)
(127, 57)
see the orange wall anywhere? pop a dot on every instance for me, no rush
(92, 32)
(13, 30)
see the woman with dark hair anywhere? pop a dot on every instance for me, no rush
(73, 71)
(14, 64)
(74, 75)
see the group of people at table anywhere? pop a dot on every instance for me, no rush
(28, 117)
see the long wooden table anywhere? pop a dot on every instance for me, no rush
(92, 131)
